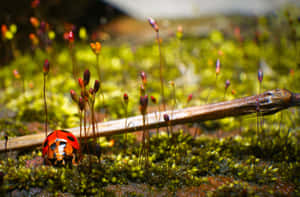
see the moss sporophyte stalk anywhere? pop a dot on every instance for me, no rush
(125, 103)
(46, 68)
(96, 48)
(154, 25)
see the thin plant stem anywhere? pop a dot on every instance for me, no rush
(287, 137)
(6, 150)
(84, 127)
(80, 123)
(158, 118)
(262, 117)
(145, 144)
(125, 140)
(171, 128)
(89, 158)
(168, 131)
(148, 146)
(93, 119)
(93, 122)
(161, 71)
(173, 107)
(157, 128)
(144, 136)
(99, 76)
(297, 52)
(24, 87)
(224, 93)
(258, 133)
(281, 117)
(257, 123)
(259, 91)
(97, 66)
(13, 49)
(196, 132)
(73, 59)
(45, 105)
(211, 89)
(143, 139)
(174, 98)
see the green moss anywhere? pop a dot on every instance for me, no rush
(187, 163)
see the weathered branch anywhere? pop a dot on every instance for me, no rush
(269, 102)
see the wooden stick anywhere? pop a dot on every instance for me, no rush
(270, 102)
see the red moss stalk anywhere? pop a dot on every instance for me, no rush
(154, 101)
(91, 100)
(143, 110)
(96, 48)
(161, 71)
(72, 54)
(218, 67)
(154, 25)
(46, 71)
(6, 141)
(260, 76)
(126, 99)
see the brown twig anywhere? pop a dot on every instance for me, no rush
(270, 102)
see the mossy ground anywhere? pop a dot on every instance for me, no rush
(180, 165)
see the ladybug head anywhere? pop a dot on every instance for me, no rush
(60, 147)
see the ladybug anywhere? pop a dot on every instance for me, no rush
(60, 148)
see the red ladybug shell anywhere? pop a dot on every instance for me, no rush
(59, 146)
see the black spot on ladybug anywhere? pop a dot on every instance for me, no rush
(52, 161)
(53, 146)
(71, 138)
(64, 131)
(46, 143)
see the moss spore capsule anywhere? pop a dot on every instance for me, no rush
(227, 83)
(74, 96)
(46, 67)
(125, 97)
(260, 75)
(86, 77)
(218, 66)
(153, 24)
(96, 86)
